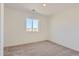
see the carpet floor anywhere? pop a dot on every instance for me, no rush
(44, 48)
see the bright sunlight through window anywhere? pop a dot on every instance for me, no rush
(31, 25)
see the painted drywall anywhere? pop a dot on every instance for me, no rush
(15, 31)
(0, 29)
(64, 28)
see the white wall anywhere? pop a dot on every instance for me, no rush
(0, 29)
(15, 32)
(64, 28)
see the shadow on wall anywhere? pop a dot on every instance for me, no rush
(65, 28)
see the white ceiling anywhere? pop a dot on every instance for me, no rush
(50, 9)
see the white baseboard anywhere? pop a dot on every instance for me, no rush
(64, 45)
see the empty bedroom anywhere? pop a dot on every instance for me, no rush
(41, 29)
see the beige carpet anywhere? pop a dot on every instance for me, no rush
(44, 48)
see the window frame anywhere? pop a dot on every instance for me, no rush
(32, 25)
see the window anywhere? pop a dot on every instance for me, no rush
(31, 25)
